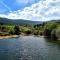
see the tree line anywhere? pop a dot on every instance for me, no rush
(49, 29)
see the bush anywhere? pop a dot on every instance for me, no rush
(28, 32)
(41, 33)
(36, 32)
(11, 32)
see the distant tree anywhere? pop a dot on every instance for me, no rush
(16, 30)
(37, 25)
(0, 27)
(3, 28)
(1, 23)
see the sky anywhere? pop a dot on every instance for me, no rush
(36, 10)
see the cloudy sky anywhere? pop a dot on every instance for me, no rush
(36, 10)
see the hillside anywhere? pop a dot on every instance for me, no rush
(18, 21)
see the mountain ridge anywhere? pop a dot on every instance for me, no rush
(18, 21)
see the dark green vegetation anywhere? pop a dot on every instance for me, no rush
(50, 29)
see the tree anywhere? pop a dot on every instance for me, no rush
(3, 28)
(53, 34)
(16, 30)
(47, 32)
(58, 32)
(49, 27)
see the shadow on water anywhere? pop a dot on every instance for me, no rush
(53, 41)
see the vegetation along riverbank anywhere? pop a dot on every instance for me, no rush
(50, 29)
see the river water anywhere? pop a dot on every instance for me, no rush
(29, 48)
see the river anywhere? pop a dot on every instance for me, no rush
(29, 48)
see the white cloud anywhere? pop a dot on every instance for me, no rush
(43, 10)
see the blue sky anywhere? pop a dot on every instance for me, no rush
(36, 10)
(14, 5)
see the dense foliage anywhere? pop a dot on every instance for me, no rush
(58, 32)
(16, 30)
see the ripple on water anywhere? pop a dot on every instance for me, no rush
(29, 48)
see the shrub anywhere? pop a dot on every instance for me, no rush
(11, 32)
(28, 32)
(36, 32)
(41, 33)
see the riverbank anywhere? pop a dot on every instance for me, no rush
(13, 36)
(9, 36)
